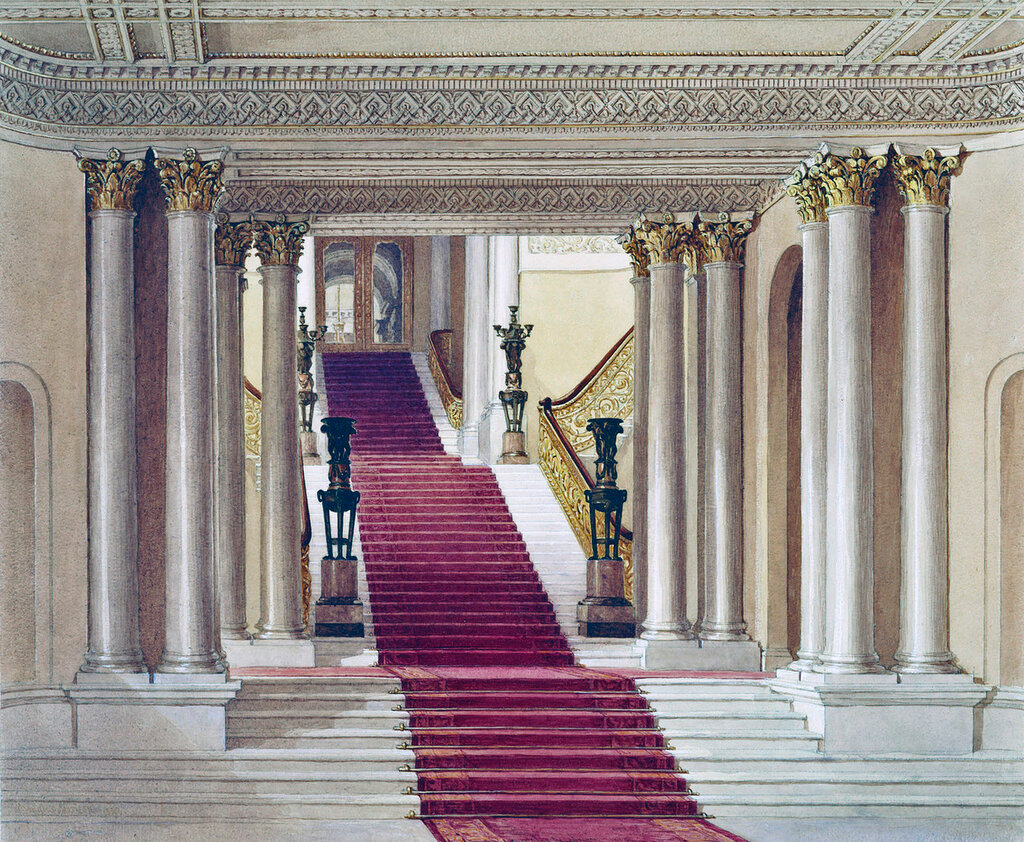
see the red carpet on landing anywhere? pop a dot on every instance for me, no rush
(511, 738)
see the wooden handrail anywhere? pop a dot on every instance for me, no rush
(439, 357)
(252, 390)
(596, 370)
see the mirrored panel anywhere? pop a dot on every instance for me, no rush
(339, 292)
(387, 294)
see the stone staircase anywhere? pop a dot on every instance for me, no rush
(449, 435)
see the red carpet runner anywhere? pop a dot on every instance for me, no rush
(503, 723)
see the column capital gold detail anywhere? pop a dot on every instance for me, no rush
(924, 179)
(724, 239)
(190, 184)
(231, 241)
(807, 190)
(111, 184)
(279, 243)
(848, 180)
(669, 241)
(631, 244)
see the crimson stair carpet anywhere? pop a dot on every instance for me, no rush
(504, 726)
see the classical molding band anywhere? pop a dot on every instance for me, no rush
(808, 193)
(279, 243)
(848, 180)
(924, 179)
(111, 184)
(723, 239)
(458, 98)
(587, 197)
(231, 241)
(190, 184)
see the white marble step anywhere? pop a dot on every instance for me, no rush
(448, 434)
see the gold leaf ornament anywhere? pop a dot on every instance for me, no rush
(724, 239)
(925, 179)
(806, 189)
(279, 243)
(232, 241)
(190, 184)
(632, 245)
(848, 180)
(111, 184)
(669, 241)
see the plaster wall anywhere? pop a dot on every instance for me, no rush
(42, 326)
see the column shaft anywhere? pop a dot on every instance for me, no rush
(666, 597)
(723, 534)
(114, 642)
(229, 454)
(280, 503)
(924, 626)
(641, 381)
(475, 356)
(813, 428)
(849, 624)
(191, 625)
(440, 283)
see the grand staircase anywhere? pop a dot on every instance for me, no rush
(502, 722)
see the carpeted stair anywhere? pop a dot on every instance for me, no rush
(502, 721)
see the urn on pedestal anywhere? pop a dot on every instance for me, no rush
(513, 397)
(339, 613)
(605, 612)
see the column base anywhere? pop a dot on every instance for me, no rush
(940, 663)
(174, 713)
(208, 663)
(291, 633)
(741, 656)
(723, 631)
(339, 617)
(513, 449)
(270, 653)
(115, 662)
(886, 713)
(850, 664)
(605, 617)
(234, 633)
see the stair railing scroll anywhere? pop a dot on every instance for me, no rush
(439, 357)
(607, 391)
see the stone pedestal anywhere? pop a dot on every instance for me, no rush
(703, 655)
(339, 612)
(605, 612)
(270, 653)
(513, 449)
(308, 448)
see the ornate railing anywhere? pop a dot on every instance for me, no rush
(253, 433)
(439, 356)
(607, 392)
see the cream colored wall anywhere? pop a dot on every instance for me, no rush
(576, 317)
(764, 597)
(252, 323)
(986, 326)
(42, 325)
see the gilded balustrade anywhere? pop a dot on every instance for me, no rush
(606, 392)
(439, 357)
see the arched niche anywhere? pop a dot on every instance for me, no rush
(26, 571)
(782, 635)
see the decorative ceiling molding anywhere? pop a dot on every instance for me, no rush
(506, 198)
(504, 101)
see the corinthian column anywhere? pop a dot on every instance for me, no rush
(641, 282)
(113, 524)
(191, 624)
(723, 243)
(848, 183)
(476, 347)
(924, 604)
(665, 244)
(279, 245)
(810, 200)
(231, 246)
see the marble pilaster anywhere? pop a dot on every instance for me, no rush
(279, 244)
(475, 352)
(191, 624)
(440, 283)
(503, 270)
(113, 619)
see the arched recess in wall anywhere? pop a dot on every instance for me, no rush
(782, 635)
(26, 529)
(1004, 522)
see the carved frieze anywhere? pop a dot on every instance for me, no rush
(111, 184)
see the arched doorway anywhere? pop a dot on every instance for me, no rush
(1011, 533)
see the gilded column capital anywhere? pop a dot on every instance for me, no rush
(848, 180)
(669, 241)
(279, 243)
(111, 184)
(809, 194)
(231, 241)
(924, 179)
(724, 239)
(190, 184)
(631, 244)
